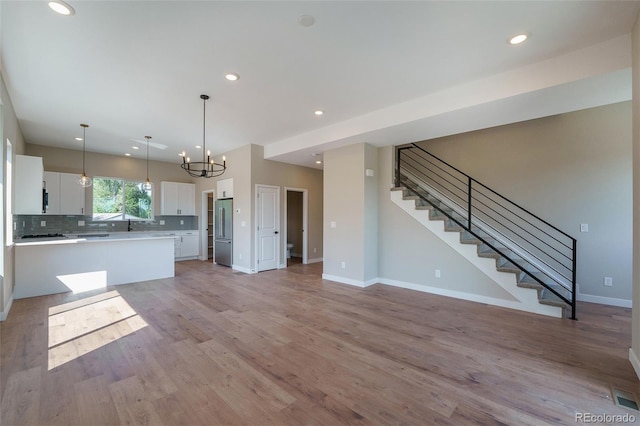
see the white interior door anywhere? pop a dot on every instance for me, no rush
(268, 219)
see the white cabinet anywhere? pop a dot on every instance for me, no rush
(177, 199)
(224, 188)
(52, 186)
(189, 247)
(28, 177)
(66, 195)
(71, 194)
(186, 245)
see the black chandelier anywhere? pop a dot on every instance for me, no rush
(206, 168)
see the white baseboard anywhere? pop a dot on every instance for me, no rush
(536, 308)
(349, 281)
(282, 266)
(316, 260)
(612, 301)
(634, 362)
(5, 313)
(242, 269)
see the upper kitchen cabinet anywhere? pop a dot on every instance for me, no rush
(66, 195)
(28, 176)
(225, 188)
(177, 199)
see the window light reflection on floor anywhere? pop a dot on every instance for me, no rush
(82, 326)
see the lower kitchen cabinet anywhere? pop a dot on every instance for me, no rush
(186, 245)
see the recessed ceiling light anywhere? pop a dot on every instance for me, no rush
(517, 39)
(127, 154)
(306, 20)
(198, 146)
(318, 162)
(135, 147)
(232, 76)
(78, 139)
(61, 7)
(318, 112)
(182, 154)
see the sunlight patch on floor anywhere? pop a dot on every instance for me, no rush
(82, 326)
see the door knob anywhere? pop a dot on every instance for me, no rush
(275, 232)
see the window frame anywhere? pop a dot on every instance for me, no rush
(123, 200)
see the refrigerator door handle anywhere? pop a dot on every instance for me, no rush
(220, 230)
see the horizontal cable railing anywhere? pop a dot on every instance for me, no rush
(543, 252)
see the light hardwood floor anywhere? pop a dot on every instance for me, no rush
(213, 347)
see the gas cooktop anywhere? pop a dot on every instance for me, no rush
(43, 236)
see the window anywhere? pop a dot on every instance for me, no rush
(119, 199)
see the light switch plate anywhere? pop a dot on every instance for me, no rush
(43, 223)
(161, 222)
(333, 224)
(81, 223)
(584, 227)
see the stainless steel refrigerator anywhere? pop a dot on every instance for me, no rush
(223, 242)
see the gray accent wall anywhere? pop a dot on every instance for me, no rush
(568, 169)
(634, 354)
(408, 253)
(275, 173)
(104, 165)
(10, 130)
(344, 207)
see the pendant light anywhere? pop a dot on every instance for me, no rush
(147, 184)
(206, 168)
(84, 180)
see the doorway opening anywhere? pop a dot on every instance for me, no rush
(295, 226)
(207, 229)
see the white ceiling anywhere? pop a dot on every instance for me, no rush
(384, 72)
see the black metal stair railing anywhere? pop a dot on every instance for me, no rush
(540, 250)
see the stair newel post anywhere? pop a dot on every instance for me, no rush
(573, 281)
(469, 203)
(398, 152)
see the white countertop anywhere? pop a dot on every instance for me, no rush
(95, 238)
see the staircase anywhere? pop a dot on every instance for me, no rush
(539, 256)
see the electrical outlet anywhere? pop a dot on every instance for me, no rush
(608, 281)
(333, 224)
(344, 265)
(584, 227)
(81, 223)
(181, 222)
(437, 273)
(161, 222)
(43, 223)
(15, 225)
(240, 256)
(315, 250)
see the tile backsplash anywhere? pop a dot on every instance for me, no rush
(65, 224)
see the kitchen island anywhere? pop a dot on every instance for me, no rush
(85, 263)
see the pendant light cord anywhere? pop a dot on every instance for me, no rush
(84, 144)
